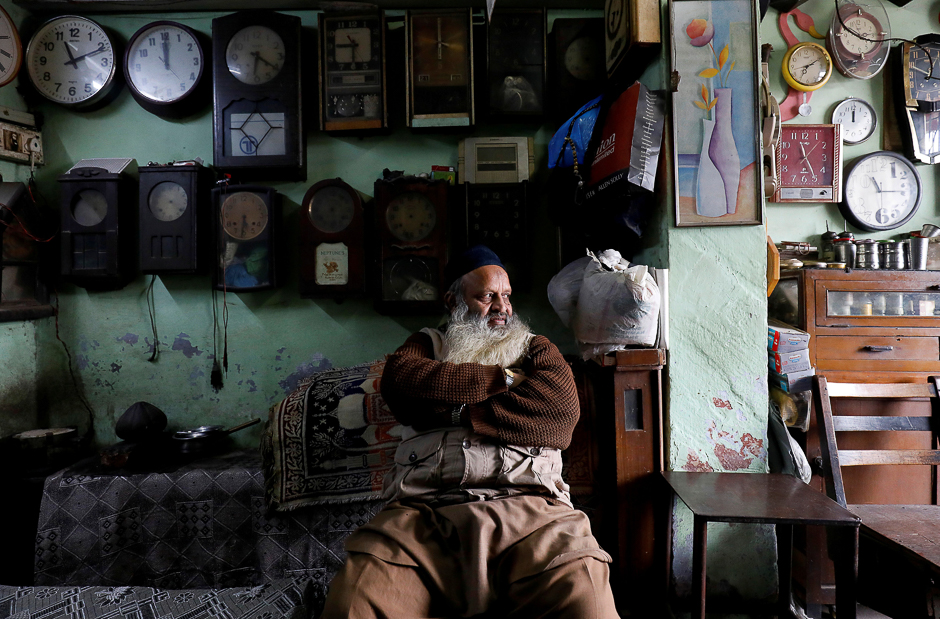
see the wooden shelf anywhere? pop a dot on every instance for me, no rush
(174, 6)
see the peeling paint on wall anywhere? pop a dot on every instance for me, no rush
(182, 344)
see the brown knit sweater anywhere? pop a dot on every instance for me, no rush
(542, 411)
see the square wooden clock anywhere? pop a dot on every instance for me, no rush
(809, 162)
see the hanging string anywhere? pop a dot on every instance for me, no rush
(151, 308)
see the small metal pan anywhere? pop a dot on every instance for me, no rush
(200, 439)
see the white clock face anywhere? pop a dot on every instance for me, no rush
(167, 201)
(11, 49)
(352, 45)
(809, 65)
(331, 209)
(89, 207)
(244, 215)
(863, 26)
(255, 55)
(857, 118)
(164, 62)
(882, 191)
(70, 60)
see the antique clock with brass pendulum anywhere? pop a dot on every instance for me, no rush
(439, 47)
(247, 220)
(332, 241)
(258, 129)
(516, 63)
(411, 219)
(352, 71)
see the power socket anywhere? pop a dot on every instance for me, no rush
(20, 141)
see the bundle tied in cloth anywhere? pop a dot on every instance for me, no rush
(613, 305)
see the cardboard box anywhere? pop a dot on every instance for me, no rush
(788, 362)
(792, 382)
(782, 337)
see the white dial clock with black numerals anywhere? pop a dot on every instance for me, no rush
(163, 66)
(70, 61)
(882, 191)
(858, 119)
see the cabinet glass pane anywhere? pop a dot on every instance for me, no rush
(882, 303)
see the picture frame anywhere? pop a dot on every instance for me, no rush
(716, 113)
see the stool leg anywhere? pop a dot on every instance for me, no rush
(844, 552)
(699, 546)
(785, 566)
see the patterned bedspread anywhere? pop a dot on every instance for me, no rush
(199, 525)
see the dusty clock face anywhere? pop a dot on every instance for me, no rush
(255, 55)
(440, 50)
(89, 207)
(70, 60)
(331, 210)
(244, 215)
(581, 58)
(163, 62)
(168, 201)
(411, 216)
(11, 49)
(882, 191)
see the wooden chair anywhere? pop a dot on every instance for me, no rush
(899, 547)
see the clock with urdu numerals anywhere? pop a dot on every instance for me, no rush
(247, 218)
(352, 71)
(809, 163)
(516, 63)
(70, 61)
(258, 129)
(439, 46)
(882, 191)
(578, 73)
(98, 224)
(411, 218)
(858, 39)
(173, 213)
(11, 49)
(332, 241)
(163, 67)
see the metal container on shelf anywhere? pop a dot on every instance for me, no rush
(867, 256)
(844, 251)
(825, 245)
(891, 255)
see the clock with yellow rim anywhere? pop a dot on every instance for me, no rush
(807, 66)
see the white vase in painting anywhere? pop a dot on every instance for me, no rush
(710, 198)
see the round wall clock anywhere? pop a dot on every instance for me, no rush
(807, 66)
(11, 49)
(857, 39)
(70, 61)
(882, 191)
(858, 119)
(163, 65)
(411, 216)
(255, 54)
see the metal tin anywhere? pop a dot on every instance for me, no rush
(825, 245)
(891, 254)
(930, 231)
(866, 256)
(844, 251)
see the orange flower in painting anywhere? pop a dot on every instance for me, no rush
(701, 32)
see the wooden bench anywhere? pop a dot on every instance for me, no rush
(899, 547)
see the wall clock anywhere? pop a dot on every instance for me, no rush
(352, 71)
(173, 208)
(578, 71)
(807, 66)
(11, 49)
(332, 241)
(860, 57)
(882, 191)
(439, 46)
(98, 226)
(858, 119)
(163, 67)
(809, 163)
(616, 33)
(919, 97)
(246, 225)
(516, 62)
(495, 216)
(411, 217)
(258, 129)
(70, 61)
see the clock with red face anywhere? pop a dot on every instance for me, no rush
(809, 162)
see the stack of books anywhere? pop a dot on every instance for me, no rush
(791, 374)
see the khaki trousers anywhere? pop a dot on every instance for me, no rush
(370, 588)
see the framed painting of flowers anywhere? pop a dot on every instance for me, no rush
(716, 113)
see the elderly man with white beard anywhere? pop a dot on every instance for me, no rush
(479, 521)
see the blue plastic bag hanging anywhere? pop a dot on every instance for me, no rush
(575, 132)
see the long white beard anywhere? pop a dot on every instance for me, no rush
(470, 339)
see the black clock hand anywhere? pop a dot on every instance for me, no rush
(805, 67)
(74, 61)
(68, 50)
(354, 46)
(875, 183)
(166, 54)
(258, 57)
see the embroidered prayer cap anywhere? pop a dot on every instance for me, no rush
(470, 260)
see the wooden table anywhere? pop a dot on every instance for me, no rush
(781, 500)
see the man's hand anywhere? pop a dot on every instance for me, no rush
(518, 377)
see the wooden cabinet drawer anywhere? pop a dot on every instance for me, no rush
(873, 353)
